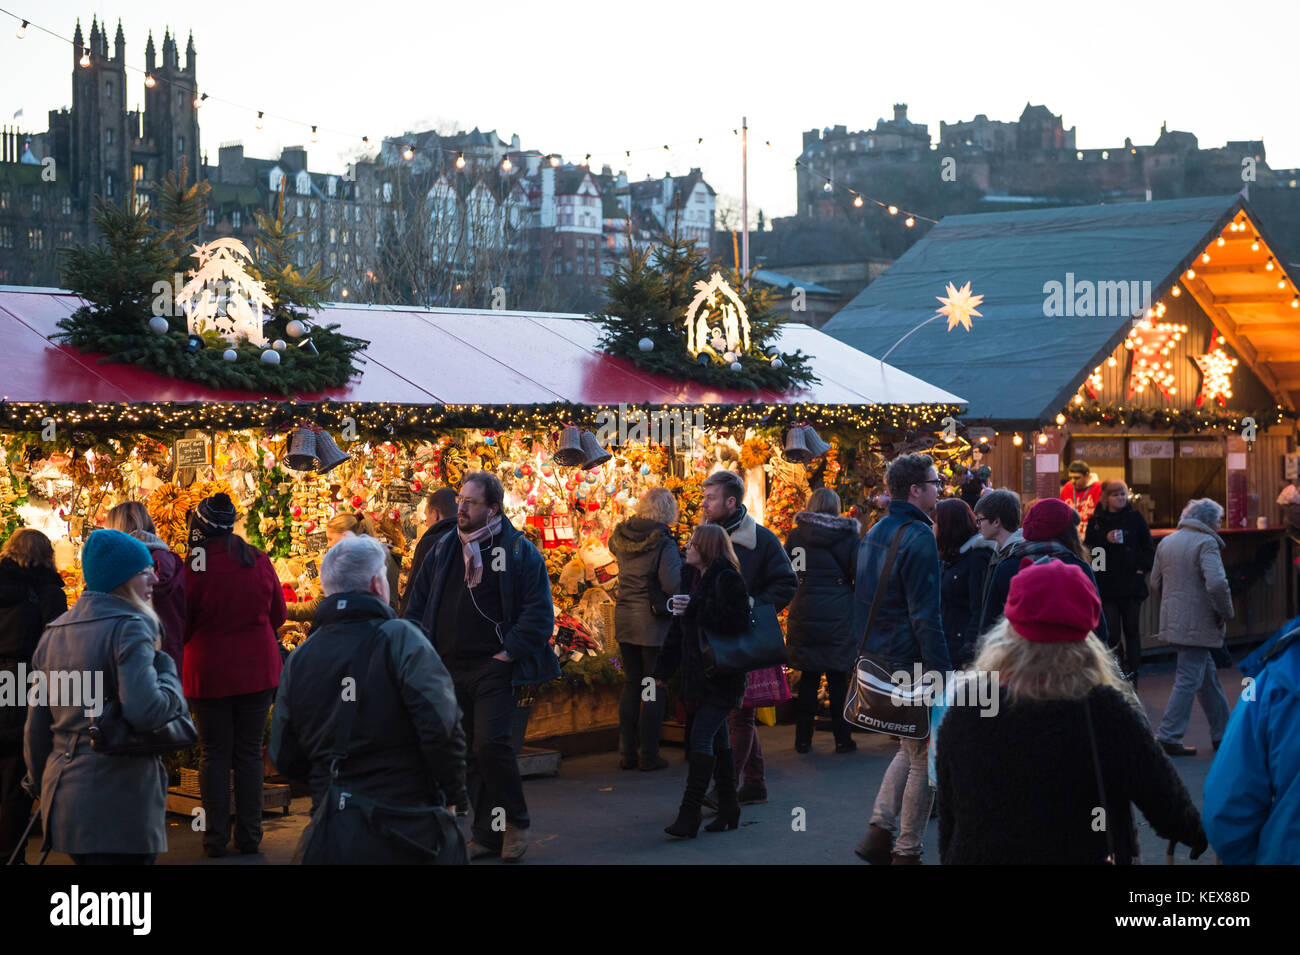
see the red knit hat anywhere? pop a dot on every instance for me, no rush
(1048, 519)
(1053, 602)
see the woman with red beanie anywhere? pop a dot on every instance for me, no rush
(1049, 776)
(1051, 530)
(232, 668)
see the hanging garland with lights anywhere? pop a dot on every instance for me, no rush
(223, 328)
(671, 311)
(1180, 422)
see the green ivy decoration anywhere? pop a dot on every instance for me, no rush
(271, 504)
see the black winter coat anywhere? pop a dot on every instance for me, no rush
(769, 578)
(720, 603)
(1019, 788)
(995, 602)
(819, 629)
(1128, 565)
(407, 746)
(428, 540)
(961, 587)
(30, 597)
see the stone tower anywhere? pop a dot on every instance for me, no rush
(171, 124)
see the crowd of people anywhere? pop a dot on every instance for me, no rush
(408, 700)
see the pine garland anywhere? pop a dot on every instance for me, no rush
(272, 507)
(1179, 421)
(648, 298)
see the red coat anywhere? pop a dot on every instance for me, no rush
(233, 613)
(169, 603)
(1084, 502)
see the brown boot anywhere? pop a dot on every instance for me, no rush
(876, 846)
(905, 860)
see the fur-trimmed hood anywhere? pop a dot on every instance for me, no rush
(636, 535)
(978, 541)
(812, 521)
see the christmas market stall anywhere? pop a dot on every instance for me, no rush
(413, 400)
(1158, 342)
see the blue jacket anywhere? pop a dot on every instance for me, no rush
(1251, 804)
(908, 627)
(525, 603)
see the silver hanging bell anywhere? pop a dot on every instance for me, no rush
(571, 452)
(596, 455)
(328, 453)
(796, 445)
(816, 446)
(302, 450)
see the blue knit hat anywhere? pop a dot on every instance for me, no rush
(110, 558)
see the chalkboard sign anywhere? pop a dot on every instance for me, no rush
(315, 543)
(311, 569)
(399, 494)
(191, 452)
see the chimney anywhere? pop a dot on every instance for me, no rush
(668, 191)
(548, 197)
(534, 163)
(900, 112)
(293, 158)
(621, 179)
(230, 163)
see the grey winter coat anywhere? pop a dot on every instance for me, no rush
(649, 571)
(1195, 601)
(92, 803)
(823, 550)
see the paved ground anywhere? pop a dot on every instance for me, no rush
(593, 813)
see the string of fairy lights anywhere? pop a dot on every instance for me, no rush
(387, 419)
(408, 148)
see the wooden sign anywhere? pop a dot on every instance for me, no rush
(312, 569)
(1200, 449)
(1098, 449)
(191, 452)
(1150, 449)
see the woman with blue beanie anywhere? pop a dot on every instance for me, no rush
(106, 810)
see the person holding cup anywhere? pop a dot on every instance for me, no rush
(713, 596)
(1118, 532)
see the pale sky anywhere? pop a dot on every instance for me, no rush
(609, 77)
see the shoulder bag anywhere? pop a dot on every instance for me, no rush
(875, 703)
(351, 829)
(112, 735)
(760, 646)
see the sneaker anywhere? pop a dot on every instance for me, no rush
(477, 850)
(1176, 749)
(516, 843)
(876, 847)
(751, 793)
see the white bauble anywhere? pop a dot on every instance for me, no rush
(230, 354)
(735, 366)
(777, 363)
(645, 344)
(158, 324)
(295, 329)
(279, 344)
(271, 356)
(729, 356)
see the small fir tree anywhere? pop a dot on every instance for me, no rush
(182, 208)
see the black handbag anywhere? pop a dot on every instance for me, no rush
(762, 645)
(112, 735)
(874, 702)
(352, 829)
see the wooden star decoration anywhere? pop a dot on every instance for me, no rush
(959, 306)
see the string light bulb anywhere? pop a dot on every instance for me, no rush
(315, 138)
(1191, 273)
(149, 81)
(198, 100)
(1017, 440)
(857, 202)
(408, 153)
(460, 160)
(893, 210)
(85, 56)
(22, 30)
(506, 164)
(909, 222)
(555, 160)
(1060, 419)
(1268, 267)
(1205, 257)
(1222, 241)
(1254, 246)
(258, 124)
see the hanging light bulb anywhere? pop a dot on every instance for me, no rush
(1269, 266)
(1060, 419)
(893, 210)
(1177, 291)
(85, 56)
(1254, 246)
(258, 124)
(857, 201)
(555, 160)
(1191, 273)
(587, 159)
(22, 30)
(198, 100)
(506, 165)
(408, 153)
(1281, 283)
(1222, 241)
(365, 143)
(1017, 440)
(1295, 301)
(149, 81)
(1205, 257)
(909, 222)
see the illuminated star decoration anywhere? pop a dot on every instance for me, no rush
(1216, 370)
(1151, 343)
(959, 306)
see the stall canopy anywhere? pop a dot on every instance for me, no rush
(442, 356)
(1019, 363)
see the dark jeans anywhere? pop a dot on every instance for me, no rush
(1124, 613)
(837, 682)
(487, 702)
(15, 805)
(747, 750)
(709, 732)
(640, 720)
(113, 858)
(231, 734)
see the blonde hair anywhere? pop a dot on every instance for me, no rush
(352, 522)
(713, 542)
(129, 517)
(28, 547)
(658, 504)
(1048, 671)
(145, 608)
